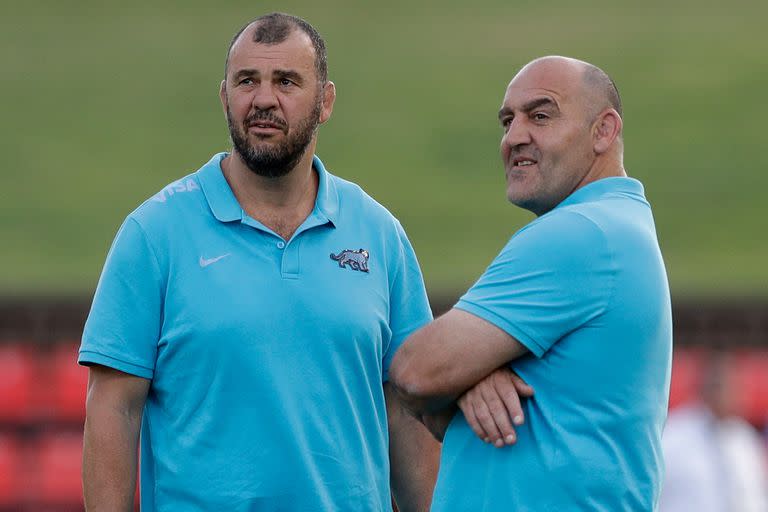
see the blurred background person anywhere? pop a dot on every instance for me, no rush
(715, 460)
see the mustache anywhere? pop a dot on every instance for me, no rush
(263, 115)
(524, 150)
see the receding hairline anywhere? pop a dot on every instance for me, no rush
(250, 31)
(278, 27)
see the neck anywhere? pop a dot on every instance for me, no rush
(281, 203)
(605, 166)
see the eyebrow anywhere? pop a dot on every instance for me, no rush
(245, 72)
(279, 73)
(290, 75)
(528, 107)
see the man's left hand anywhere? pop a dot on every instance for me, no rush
(492, 407)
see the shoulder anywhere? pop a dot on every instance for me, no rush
(569, 221)
(171, 203)
(358, 213)
(356, 203)
(563, 251)
(565, 233)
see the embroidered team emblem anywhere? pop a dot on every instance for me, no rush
(357, 260)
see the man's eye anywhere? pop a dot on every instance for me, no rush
(540, 116)
(246, 81)
(286, 82)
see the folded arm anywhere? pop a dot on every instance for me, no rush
(441, 361)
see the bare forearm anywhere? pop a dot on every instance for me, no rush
(420, 406)
(434, 412)
(109, 461)
(441, 361)
(414, 459)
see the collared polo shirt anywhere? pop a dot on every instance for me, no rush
(266, 356)
(584, 288)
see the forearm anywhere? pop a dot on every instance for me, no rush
(414, 458)
(441, 361)
(110, 447)
(435, 413)
(421, 406)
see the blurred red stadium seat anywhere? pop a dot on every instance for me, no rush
(17, 368)
(69, 382)
(752, 374)
(686, 376)
(750, 369)
(57, 463)
(11, 472)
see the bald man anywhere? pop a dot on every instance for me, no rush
(577, 304)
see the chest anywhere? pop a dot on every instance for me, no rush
(248, 293)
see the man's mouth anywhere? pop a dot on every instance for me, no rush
(522, 162)
(261, 125)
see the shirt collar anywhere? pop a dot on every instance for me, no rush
(613, 186)
(327, 202)
(225, 207)
(220, 197)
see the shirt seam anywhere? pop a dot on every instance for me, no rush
(609, 300)
(398, 269)
(526, 339)
(118, 359)
(165, 281)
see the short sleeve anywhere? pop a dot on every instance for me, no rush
(409, 307)
(552, 277)
(123, 326)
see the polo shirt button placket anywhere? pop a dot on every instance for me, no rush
(289, 267)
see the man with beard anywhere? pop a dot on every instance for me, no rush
(577, 303)
(246, 317)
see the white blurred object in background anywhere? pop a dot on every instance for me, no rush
(715, 460)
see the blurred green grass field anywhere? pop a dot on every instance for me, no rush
(103, 103)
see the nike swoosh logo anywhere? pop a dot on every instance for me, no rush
(205, 262)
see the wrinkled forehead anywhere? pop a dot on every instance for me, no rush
(557, 81)
(297, 48)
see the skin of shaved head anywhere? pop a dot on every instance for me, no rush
(599, 91)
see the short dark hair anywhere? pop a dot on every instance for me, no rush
(596, 78)
(274, 28)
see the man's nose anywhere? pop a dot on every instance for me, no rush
(517, 134)
(264, 97)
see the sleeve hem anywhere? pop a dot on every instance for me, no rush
(502, 324)
(88, 358)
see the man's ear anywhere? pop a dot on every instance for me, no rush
(329, 98)
(223, 95)
(606, 129)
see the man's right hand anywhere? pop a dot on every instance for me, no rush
(492, 407)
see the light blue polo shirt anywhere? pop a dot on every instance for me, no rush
(266, 357)
(584, 289)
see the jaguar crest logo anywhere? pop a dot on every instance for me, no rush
(357, 260)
